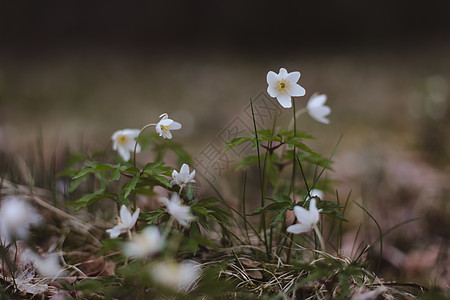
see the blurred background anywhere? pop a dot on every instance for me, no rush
(73, 72)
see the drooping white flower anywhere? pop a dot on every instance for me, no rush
(180, 212)
(317, 109)
(179, 277)
(283, 86)
(126, 222)
(307, 219)
(182, 178)
(148, 242)
(124, 141)
(16, 217)
(316, 193)
(165, 125)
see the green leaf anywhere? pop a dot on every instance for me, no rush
(273, 207)
(152, 217)
(90, 198)
(129, 187)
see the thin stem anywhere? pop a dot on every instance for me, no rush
(263, 217)
(297, 114)
(137, 139)
(319, 235)
(169, 227)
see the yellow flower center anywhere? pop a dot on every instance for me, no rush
(283, 86)
(165, 128)
(123, 139)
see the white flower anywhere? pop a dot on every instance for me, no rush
(16, 217)
(124, 142)
(283, 86)
(316, 108)
(165, 125)
(182, 178)
(126, 222)
(180, 212)
(47, 266)
(146, 243)
(177, 276)
(307, 219)
(316, 193)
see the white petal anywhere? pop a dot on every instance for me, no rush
(167, 135)
(284, 100)
(134, 218)
(296, 90)
(184, 171)
(115, 231)
(319, 113)
(283, 73)
(316, 100)
(165, 122)
(272, 91)
(293, 77)
(301, 213)
(164, 116)
(298, 228)
(125, 215)
(313, 211)
(175, 126)
(124, 153)
(272, 78)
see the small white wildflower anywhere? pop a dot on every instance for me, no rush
(180, 212)
(179, 277)
(46, 266)
(148, 242)
(182, 178)
(316, 193)
(165, 125)
(124, 141)
(16, 217)
(283, 86)
(317, 109)
(126, 222)
(307, 219)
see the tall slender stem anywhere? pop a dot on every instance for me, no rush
(137, 139)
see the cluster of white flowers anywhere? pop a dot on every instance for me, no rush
(125, 140)
(283, 86)
(149, 241)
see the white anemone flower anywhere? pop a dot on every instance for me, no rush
(182, 178)
(148, 242)
(317, 109)
(283, 86)
(306, 219)
(165, 125)
(46, 266)
(16, 217)
(124, 141)
(126, 222)
(179, 277)
(180, 212)
(316, 193)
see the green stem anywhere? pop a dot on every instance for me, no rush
(319, 235)
(260, 183)
(169, 227)
(137, 139)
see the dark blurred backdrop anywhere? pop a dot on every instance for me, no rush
(30, 26)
